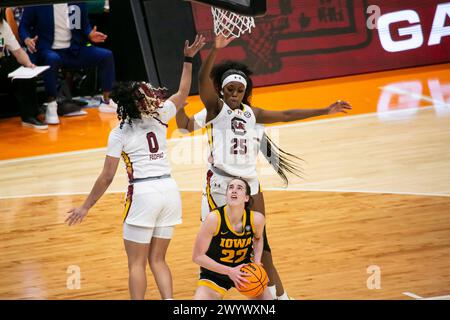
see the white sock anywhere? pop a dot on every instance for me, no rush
(273, 291)
(284, 296)
(169, 299)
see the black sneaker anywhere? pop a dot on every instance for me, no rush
(34, 123)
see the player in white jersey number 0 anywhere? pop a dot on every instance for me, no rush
(153, 204)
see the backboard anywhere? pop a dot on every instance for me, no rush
(254, 8)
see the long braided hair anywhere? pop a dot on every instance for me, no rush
(281, 161)
(137, 99)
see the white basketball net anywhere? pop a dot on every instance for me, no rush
(231, 24)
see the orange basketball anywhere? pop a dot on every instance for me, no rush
(258, 280)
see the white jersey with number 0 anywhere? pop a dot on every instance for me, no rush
(143, 145)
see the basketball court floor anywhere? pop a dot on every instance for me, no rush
(370, 219)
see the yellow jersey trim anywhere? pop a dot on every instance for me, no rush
(252, 221)
(219, 222)
(212, 285)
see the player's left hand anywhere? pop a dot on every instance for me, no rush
(339, 106)
(76, 215)
(197, 45)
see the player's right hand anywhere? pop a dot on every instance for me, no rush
(197, 45)
(76, 215)
(31, 44)
(238, 276)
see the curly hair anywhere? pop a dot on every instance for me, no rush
(136, 99)
(219, 70)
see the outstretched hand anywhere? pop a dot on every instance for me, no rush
(197, 45)
(339, 106)
(96, 36)
(76, 215)
(31, 44)
(222, 41)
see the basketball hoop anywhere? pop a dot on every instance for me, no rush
(230, 24)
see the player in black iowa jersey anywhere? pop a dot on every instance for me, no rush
(230, 237)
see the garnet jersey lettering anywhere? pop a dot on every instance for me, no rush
(233, 141)
(143, 144)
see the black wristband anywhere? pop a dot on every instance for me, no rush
(188, 59)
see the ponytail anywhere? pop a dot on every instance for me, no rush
(281, 161)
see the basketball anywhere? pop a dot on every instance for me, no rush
(258, 280)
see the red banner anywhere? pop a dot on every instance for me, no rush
(313, 39)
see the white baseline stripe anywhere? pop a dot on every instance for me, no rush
(200, 190)
(344, 118)
(52, 155)
(71, 153)
(415, 95)
(412, 295)
(287, 125)
(415, 296)
(357, 191)
(437, 298)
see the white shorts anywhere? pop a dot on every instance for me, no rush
(144, 235)
(152, 204)
(214, 192)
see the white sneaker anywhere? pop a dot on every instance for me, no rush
(51, 115)
(110, 107)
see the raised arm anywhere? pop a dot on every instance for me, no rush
(179, 98)
(193, 123)
(207, 92)
(183, 121)
(266, 116)
(103, 181)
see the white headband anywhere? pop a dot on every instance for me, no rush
(232, 78)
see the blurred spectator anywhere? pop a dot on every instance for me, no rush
(98, 11)
(24, 89)
(58, 35)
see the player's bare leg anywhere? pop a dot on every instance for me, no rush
(160, 269)
(137, 263)
(274, 277)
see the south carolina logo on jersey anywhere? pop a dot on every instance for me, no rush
(238, 126)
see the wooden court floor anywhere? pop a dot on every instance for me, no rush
(376, 196)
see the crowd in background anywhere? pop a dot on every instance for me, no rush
(64, 37)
